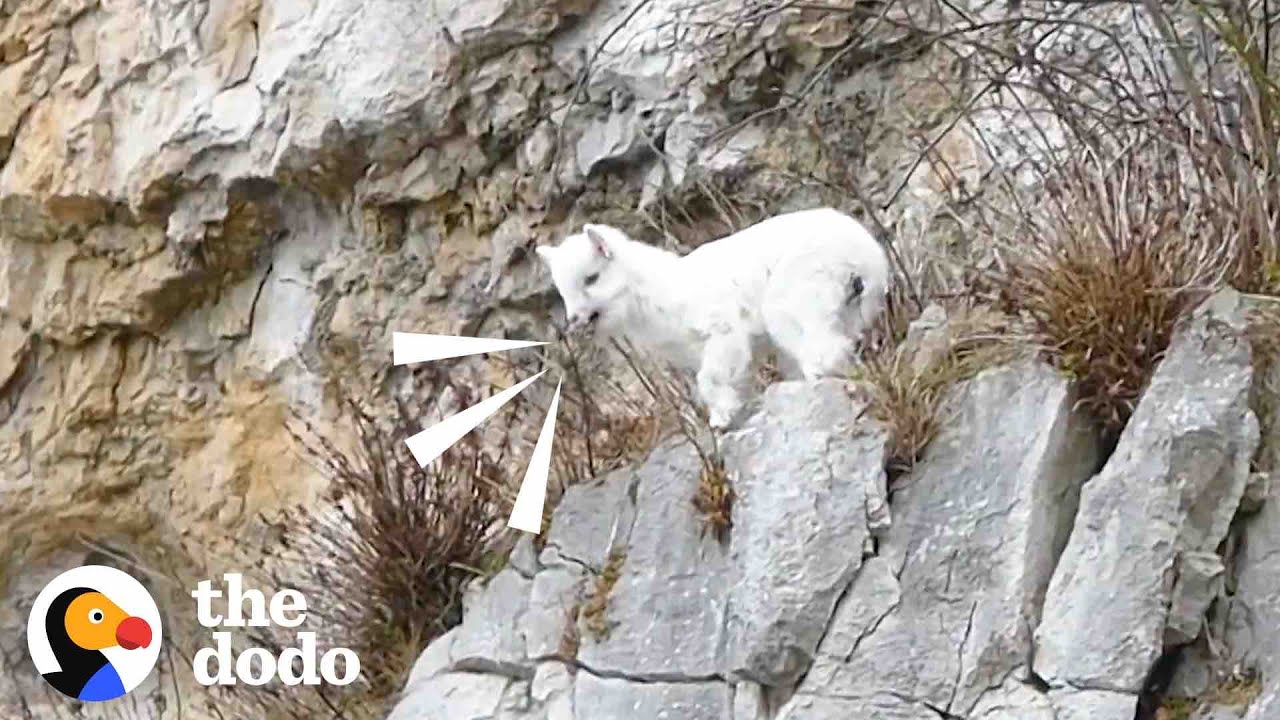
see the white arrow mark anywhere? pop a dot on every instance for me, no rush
(527, 514)
(431, 443)
(407, 348)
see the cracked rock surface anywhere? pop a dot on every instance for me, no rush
(214, 213)
(1162, 505)
(694, 629)
(944, 615)
(1025, 573)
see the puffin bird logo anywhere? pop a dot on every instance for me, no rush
(94, 633)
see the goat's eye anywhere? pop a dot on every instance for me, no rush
(592, 278)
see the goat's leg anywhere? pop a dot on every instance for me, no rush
(815, 342)
(726, 369)
(825, 354)
(811, 316)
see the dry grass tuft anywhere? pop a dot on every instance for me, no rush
(604, 425)
(1238, 690)
(594, 611)
(1264, 334)
(1139, 220)
(906, 401)
(714, 502)
(611, 418)
(1105, 281)
(907, 381)
(672, 392)
(571, 638)
(1176, 709)
(385, 558)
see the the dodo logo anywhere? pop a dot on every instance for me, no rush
(94, 633)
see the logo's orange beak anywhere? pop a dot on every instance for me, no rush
(133, 633)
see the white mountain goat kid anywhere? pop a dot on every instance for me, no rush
(808, 283)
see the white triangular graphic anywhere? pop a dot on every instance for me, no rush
(407, 348)
(527, 514)
(432, 442)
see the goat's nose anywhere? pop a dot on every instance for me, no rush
(579, 322)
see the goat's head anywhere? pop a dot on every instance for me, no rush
(585, 269)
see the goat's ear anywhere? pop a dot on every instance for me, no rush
(545, 252)
(598, 241)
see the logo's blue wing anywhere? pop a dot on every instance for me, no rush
(104, 685)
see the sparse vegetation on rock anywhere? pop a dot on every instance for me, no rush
(387, 555)
(594, 611)
(211, 218)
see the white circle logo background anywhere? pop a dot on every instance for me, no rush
(133, 665)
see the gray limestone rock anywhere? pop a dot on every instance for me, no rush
(1169, 490)
(666, 612)
(805, 470)
(1253, 611)
(491, 638)
(946, 612)
(1073, 704)
(453, 696)
(597, 698)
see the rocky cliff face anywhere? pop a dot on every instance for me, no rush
(213, 214)
(1025, 572)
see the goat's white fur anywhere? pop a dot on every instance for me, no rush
(808, 283)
